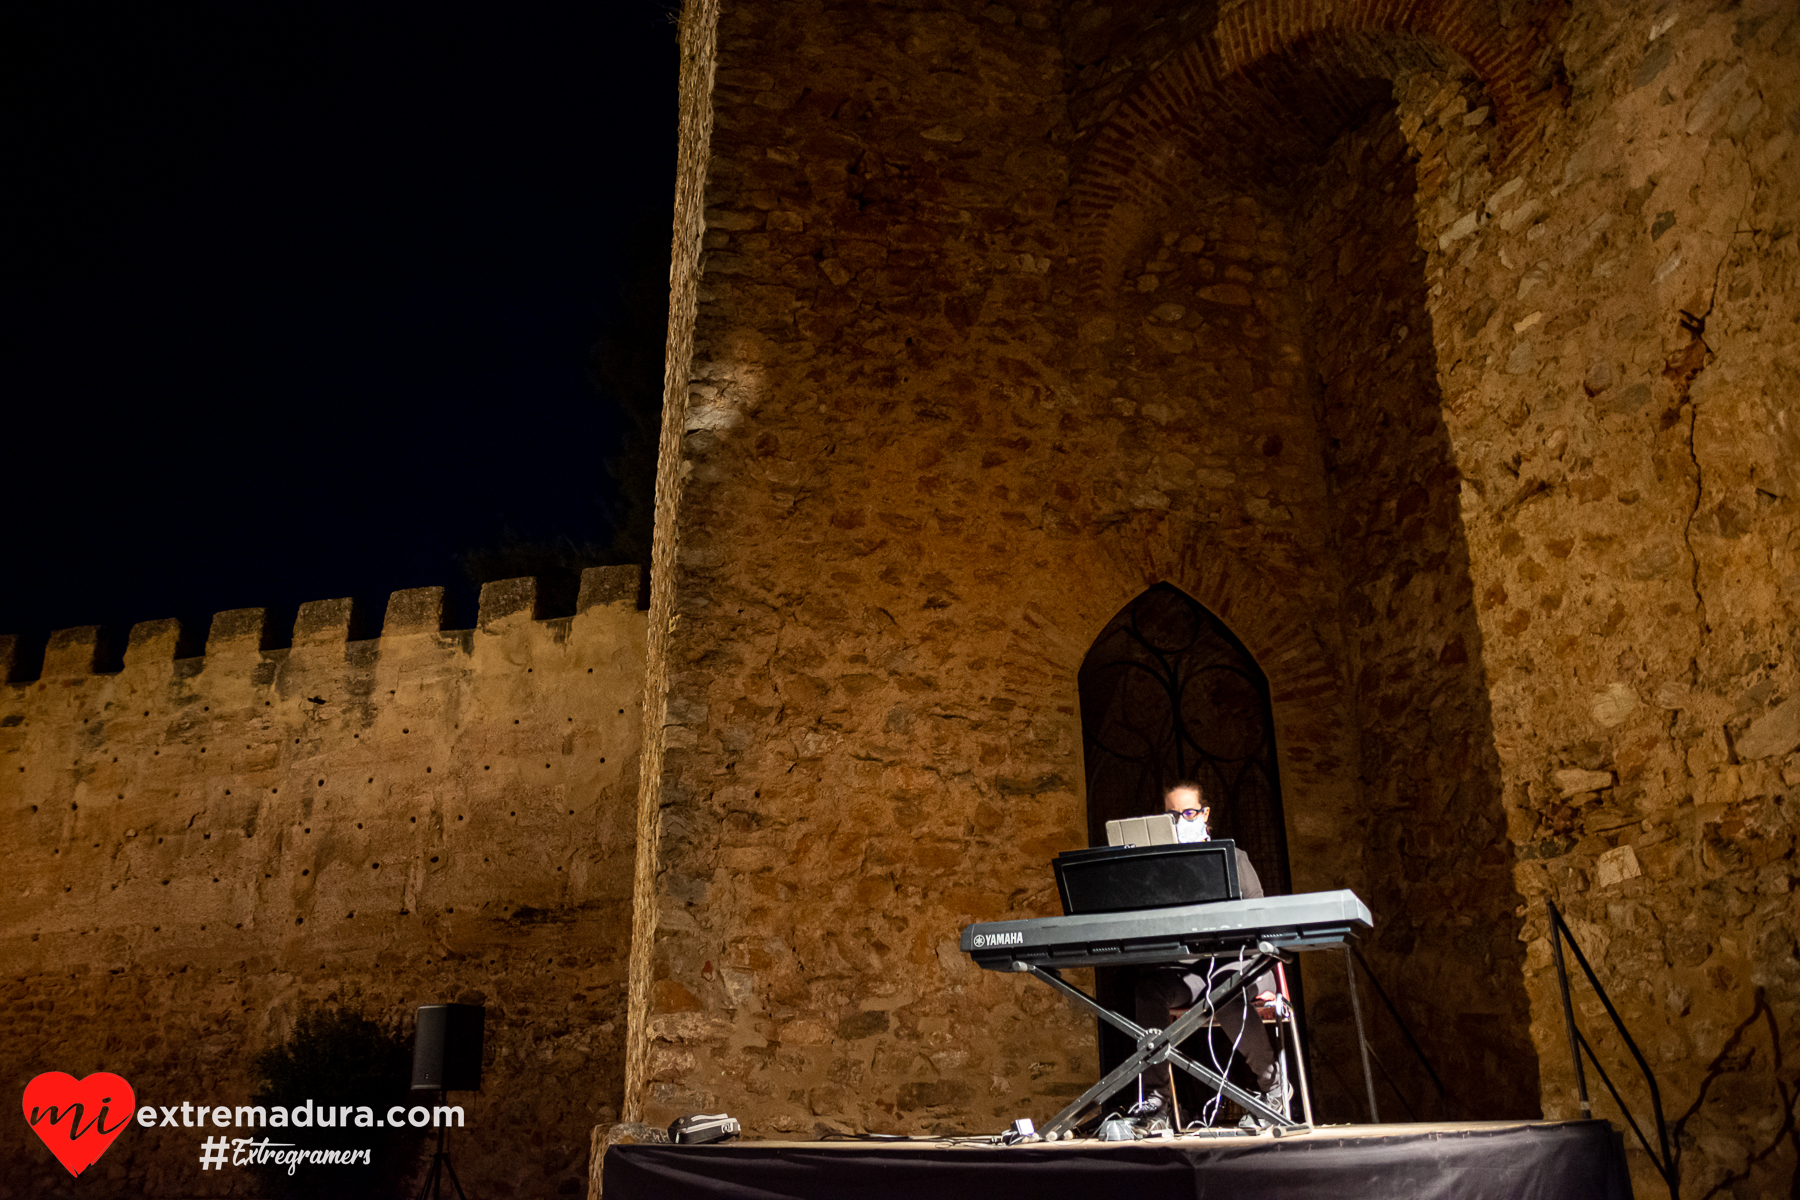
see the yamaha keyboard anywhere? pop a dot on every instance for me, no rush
(1254, 934)
(1165, 935)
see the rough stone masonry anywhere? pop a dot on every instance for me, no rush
(198, 847)
(1446, 351)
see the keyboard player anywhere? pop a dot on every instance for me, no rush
(1162, 990)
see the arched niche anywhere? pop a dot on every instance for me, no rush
(1168, 692)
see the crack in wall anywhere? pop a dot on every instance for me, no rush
(1683, 367)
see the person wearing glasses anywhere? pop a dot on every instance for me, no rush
(1161, 991)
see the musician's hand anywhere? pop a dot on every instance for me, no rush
(1269, 1006)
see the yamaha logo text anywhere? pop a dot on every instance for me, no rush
(1015, 938)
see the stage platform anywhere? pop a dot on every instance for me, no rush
(1564, 1160)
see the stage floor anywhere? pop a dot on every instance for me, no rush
(1526, 1160)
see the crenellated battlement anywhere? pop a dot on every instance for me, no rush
(235, 829)
(246, 633)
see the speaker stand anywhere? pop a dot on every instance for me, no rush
(440, 1162)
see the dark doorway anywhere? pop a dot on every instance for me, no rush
(1168, 693)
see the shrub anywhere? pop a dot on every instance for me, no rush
(338, 1056)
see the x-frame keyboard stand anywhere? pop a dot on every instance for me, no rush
(1156, 1046)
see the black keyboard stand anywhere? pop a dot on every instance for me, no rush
(1157, 1046)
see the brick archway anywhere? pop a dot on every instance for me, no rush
(1259, 97)
(1315, 738)
(1254, 604)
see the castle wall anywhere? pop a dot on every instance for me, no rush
(1614, 313)
(198, 847)
(1436, 864)
(1521, 575)
(831, 805)
(918, 476)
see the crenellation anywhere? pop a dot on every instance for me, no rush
(72, 653)
(152, 643)
(414, 610)
(324, 623)
(613, 585)
(319, 624)
(505, 598)
(238, 632)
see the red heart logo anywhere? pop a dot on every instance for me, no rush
(76, 1117)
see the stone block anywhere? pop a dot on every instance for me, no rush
(71, 652)
(1616, 866)
(1774, 733)
(415, 610)
(1612, 706)
(632, 1133)
(238, 631)
(1575, 781)
(153, 642)
(322, 622)
(610, 585)
(505, 598)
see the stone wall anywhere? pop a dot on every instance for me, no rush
(872, 729)
(1398, 382)
(1614, 316)
(1437, 863)
(197, 847)
(843, 783)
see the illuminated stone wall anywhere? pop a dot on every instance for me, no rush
(1003, 313)
(198, 847)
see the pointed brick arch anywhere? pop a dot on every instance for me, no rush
(1258, 97)
(1280, 632)
(1309, 694)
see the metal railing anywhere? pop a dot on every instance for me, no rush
(1353, 956)
(1665, 1163)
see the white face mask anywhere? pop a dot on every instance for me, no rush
(1191, 831)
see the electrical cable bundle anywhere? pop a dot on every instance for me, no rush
(1209, 1113)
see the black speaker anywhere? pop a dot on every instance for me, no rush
(447, 1048)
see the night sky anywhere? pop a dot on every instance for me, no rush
(303, 297)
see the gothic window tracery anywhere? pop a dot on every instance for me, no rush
(1168, 692)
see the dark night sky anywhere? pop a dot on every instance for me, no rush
(302, 296)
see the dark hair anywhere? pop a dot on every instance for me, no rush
(1185, 783)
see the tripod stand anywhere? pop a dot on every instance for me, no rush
(440, 1162)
